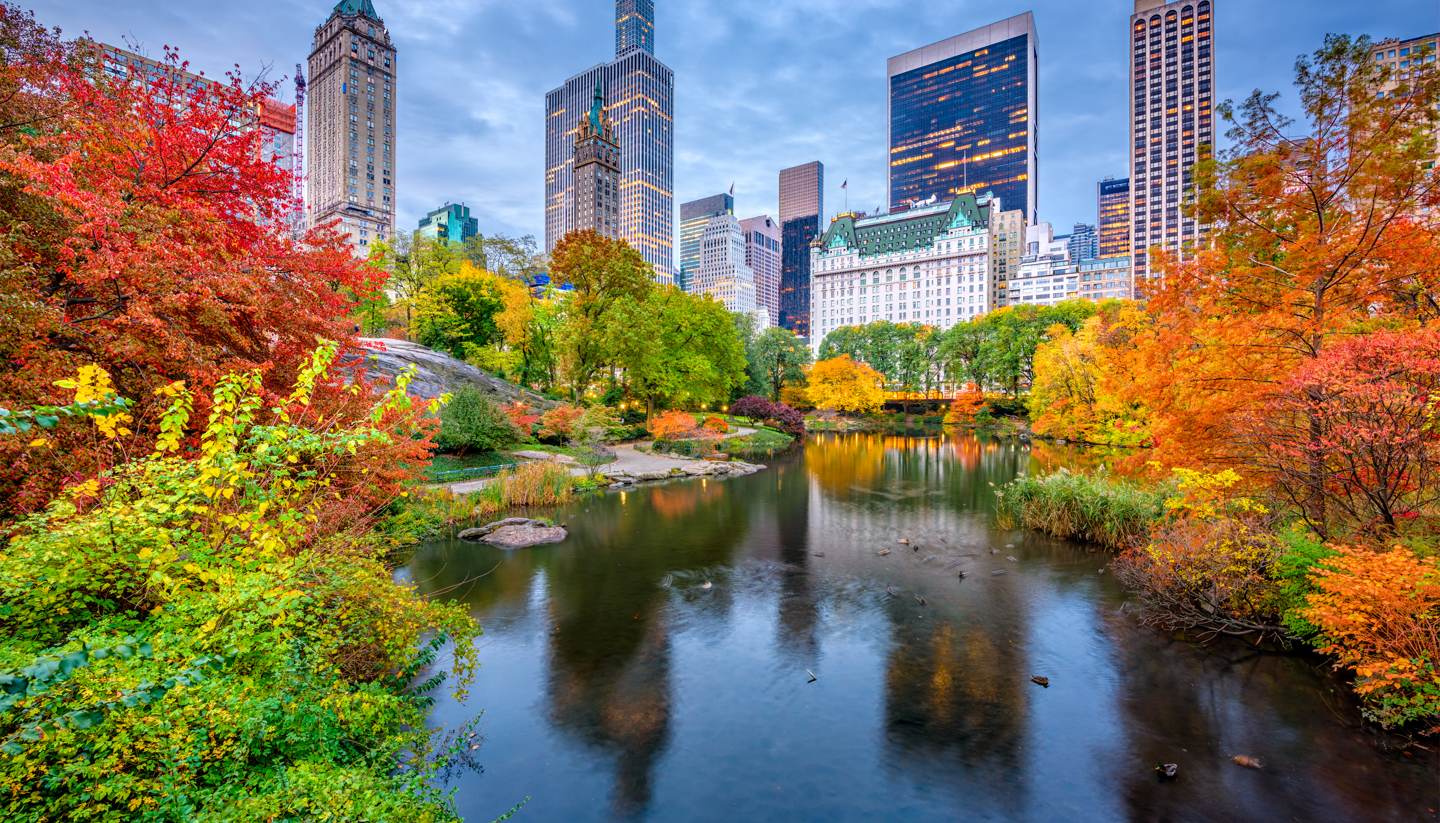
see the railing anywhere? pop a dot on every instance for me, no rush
(471, 473)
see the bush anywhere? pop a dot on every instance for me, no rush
(472, 422)
(753, 407)
(1378, 612)
(716, 425)
(964, 408)
(537, 483)
(672, 425)
(560, 423)
(522, 417)
(777, 415)
(1099, 510)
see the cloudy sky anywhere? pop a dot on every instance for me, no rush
(760, 84)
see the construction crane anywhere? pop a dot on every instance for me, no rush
(299, 179)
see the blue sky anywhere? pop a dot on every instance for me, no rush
(760, 84)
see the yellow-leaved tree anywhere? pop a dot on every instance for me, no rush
(1079, 391)
(842, 384)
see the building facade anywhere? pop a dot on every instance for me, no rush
(802, 203)
(723, 273)
(1112, 208)
(928, 265)
(451, 223)
(1007, 246)
(1172, 124)
(694, 217)
(1084, 243)
(1404, 58)
(1046, 275)
(641, 93)
(1108, 278)
(762, 255)
(597, 172)
(351, 125)
(962, 115)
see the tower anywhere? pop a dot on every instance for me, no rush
(596, 202)
(1172, 124)
(641, 112)
(802, 202)
(351, 104)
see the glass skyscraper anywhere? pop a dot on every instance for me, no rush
(802, 203)
(640, 90)
(1113, 209)
(694, 217)
(451, 223)
(962, 118)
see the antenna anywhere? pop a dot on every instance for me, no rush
(298, 194)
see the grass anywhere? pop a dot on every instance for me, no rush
(528, 485)
(765, 442)
(1100, 510)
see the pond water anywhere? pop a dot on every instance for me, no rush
(657, 665)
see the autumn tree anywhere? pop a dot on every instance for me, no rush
(1080, 386)
(457, 312)
(841, 384)
(602, 272)
(776, 359)
(529, 323)
(676, 348)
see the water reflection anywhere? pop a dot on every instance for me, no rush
(654, 666)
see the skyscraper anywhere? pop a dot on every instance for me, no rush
(1084, 244)
(762, 255)
(1172, 124)
(963, 117)
(723, 273)
(694, 217)
(641, 109)
(351, 125)
(1404, 58)
(802, 203)
(451, 223)
(1113, 210)
(597, 172)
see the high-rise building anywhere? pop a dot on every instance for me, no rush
(1107, 278)
(1046, 275)
(451, 223)
(762, 255)
(640, 90)
(723, 273)
(1113, 211)
(928, 265)
(1007, 246)
(597, 172)
(1172, 124)
(350, 126)
(1404, 58)
(694, 217)
(962, 117)
(1084, 243)
(802, 202)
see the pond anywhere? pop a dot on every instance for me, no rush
(658, 665)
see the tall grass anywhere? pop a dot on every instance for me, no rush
(540, 483)
(1101, 510)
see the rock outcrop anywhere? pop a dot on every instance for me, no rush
(516, 533)
(437, 373)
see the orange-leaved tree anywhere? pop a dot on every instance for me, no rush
(1081, 389)
(145, 230)
(842, 384)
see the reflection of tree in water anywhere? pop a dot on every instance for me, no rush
(798, 611)
(839, 462)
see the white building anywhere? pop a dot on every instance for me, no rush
(928, 265)
(762, 255)
(723, 272)
(1106, 279)
(1046, 276)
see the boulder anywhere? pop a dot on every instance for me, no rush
(525, 536)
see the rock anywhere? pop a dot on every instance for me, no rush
(1167, 771)
(482, 531)
(1040, 681)
(904, 541)
(436, 372)
(1247, 761)
(516, 533)
(883, 553)
(1011, 558)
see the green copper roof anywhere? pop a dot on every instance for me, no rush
(906, 231)
(353, 7)
(597, 109)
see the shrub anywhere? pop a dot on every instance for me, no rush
(472, 422)
(560, 423)
(672, 425)
(964, 408)
(522, 417)
(1099, 510)
(787, 420)
(716, 425)
(1378, 612)
(752, 406)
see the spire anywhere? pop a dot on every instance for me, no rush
(597, 109)
(350, 8)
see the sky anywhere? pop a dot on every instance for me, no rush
(759, 84)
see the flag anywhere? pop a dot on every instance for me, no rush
(732, 188)
(846, 184)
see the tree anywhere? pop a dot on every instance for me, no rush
(411, 263)
(529, 324)
(961, 352)
(143, 230)
(603, 272)
(841, 384)
(1319, 233)
(777, 358)
(677, 348)
(472, 422)
(1079, 391)
(515, 258)
(457, 312)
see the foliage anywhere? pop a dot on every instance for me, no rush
(561, 422)
(203, 605)
(779, 415)
(521, 416)
(964, 408)
(144, 231)
(776, 358)
(842, 384)
(1100, 510)
(677, 349)
(907, 354)
(763, 443)
(1081, 379)
(529, 485)
(603, 273)
(472, 422)
(456, 312)
(529, 324)
(1378, 613)
(715, 424)
(672, 425)
(504, 363)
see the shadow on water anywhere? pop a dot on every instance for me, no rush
(657, 664)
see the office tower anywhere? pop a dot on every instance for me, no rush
(1403, 58)
(762, 255)
(350, 126)
(641, 110)
(802, 203)
(1046, 275)
(928, 265)
(1113, 211)
(597, 172)
(963, 117)
(694, 217)
(1107, 278)
(722, 272)
(451, 223)
(1172, 125)
(1007, 246)
(1084, 243)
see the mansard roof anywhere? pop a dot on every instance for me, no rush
(903, 231)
